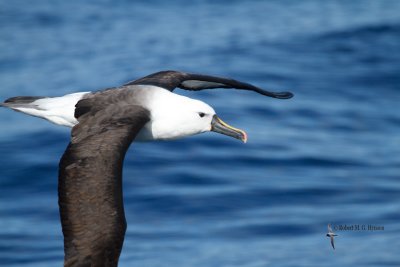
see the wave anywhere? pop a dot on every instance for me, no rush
(364, 31)
(374, 41)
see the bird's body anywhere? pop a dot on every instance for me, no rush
(162, 105)
(104, 124)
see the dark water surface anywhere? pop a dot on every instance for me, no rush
(331, 154)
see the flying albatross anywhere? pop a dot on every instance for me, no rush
(104, 123)
(331, 235)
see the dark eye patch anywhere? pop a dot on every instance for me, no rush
(201, 114)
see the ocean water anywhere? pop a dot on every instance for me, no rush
(329, 155)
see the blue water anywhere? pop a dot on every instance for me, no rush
(329, 155)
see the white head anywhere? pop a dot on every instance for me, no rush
(174, 116)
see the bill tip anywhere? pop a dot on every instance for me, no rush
(244, 138)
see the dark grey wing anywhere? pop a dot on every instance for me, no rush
(195, 82)
(332, 241)
(90, 183)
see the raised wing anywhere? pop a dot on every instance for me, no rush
(90, 183)
(195, 82)
(329, 228)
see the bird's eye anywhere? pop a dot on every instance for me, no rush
(201, 114)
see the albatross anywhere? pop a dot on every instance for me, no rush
(104, 123)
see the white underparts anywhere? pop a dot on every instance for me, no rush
(59, 110)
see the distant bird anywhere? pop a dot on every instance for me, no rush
(331, 235)
(104, 125)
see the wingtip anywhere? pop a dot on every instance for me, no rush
(278, 95)
(284, 95)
